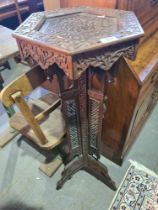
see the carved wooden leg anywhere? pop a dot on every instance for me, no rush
(71, 168)
(92, 166)
(84, 134)
(100, 171)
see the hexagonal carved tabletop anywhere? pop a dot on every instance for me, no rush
(80, 45)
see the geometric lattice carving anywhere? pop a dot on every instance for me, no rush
(72, 121)
(93, 123)
(82, 83)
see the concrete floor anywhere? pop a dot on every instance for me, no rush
(24, 187)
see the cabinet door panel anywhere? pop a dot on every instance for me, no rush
(142, 112)
(140, 118)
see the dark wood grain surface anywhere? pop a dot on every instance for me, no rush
(131, 99)
(145, 10)
(87, 37)
(108, 26)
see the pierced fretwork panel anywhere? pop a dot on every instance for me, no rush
(72, 121)
(82, 84)
(93, 123)
(96, 93)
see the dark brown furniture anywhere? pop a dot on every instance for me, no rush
(134, 93)
(135, 102)
(80, 46)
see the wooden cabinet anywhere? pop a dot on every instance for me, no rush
(144, 9)
(130, 100)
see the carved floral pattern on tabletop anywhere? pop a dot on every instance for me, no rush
(76, 38)
(79, 29)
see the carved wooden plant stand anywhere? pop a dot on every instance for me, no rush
(80, 46)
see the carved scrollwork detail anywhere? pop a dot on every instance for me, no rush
(45, 57)
(76, 38)
(104, 58)
(74, 66)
